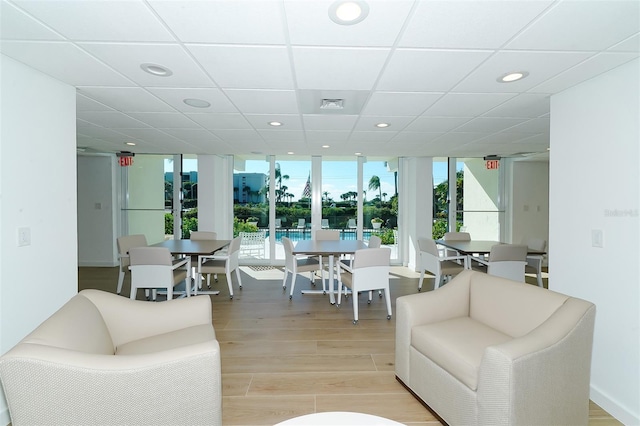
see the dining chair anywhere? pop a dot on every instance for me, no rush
(505, 260)
(125, 243)
(326, 235)
(223, 264)
(455, 236)
(204, 236)
(369, 271)
(154, 268)
(324, 224)
(534, 261)
(296, 264)
(302, 224)
(351, 224)
(278, 223)
(443, 268)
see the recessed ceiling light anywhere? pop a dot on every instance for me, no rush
(512, 76)
(348, 12)
(197, 103)
(130, 143)
(157, 70)
(275, 123)
(358, 153)
(382, 125)
(325, 146)
(290, 152)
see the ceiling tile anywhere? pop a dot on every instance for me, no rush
(261, 121)
(168, 120)
(223, 21)
(469, 24)
(194, 136)
(415, 137)
(87, 104)
(65, 62)
(328, 136)
(127, 99)
(489, 124)
(176, 96)
(264, 101)
(399, 103)
(436, 124)
(284, 136)
(372, 136)
(632, 45)
(466, 104)
(526, 105)
(368, 123)
(419, 70)
(338, 68)
(16, 25)
(129, 20)
(127, 59)
(256, 67)
(309, 24)
(594, 25)
(111, 119)
(329, 122)
(220, 121)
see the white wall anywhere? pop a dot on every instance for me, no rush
(481, 199)
(98, 210)
(37, 191)
(594, 183)
(528, 209)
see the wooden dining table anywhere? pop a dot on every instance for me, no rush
(477, 247)
(191, 249)
(329, 248)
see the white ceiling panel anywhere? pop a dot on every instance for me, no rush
(418, 70)
(223, 21)
(127, 59)
(526, 105)
(258, 67)
(466, 104)
(436, 124)
(416, 137)
(175, 98)
(540, 65)
(169, 120)
(110, 119)
(398, 103)
(264, 101)
(368, 123)
(595, 65)
(261, 121)
(65, 62)
(127, 99)
(129, 20)
(337, 68)
(309, 24)
(594, 25)
(285, 136)
(534, 125)
(87, 104)
(469, 24)
(329, 122)
(232, 136)
(489, 124)
(193, 136)
(372, 136)
(327, 136)
(220, 121)
(631, 45)
(17, 25)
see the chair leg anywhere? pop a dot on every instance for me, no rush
(239, 279)
(387, 297)
(230, 284)
(539, 278)
(294, 274)
(421, 280)
(284, 280)
(354, 296)
(134, 292)
(438, 280)
(120, 281)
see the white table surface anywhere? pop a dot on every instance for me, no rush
(339, 418)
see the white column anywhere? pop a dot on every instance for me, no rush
(215, 194)
(316, 193)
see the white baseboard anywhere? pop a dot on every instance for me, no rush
(614, 408)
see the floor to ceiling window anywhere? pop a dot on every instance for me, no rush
(339, 195)
(380, 207)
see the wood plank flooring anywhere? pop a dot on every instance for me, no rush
(284, 358)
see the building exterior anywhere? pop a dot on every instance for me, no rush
(249, 188)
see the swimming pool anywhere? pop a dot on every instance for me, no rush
(305, 234)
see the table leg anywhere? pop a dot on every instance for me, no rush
(332, 298)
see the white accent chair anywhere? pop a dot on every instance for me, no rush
(124, 244)
(326, 235)
(443, 268)
(505, 260)
(302, 224)
(223, 264)
(296, 264)
(324, 224)
(369, 271)
(106, 359)
(351, 224)
(455, 236)
(484, 350)
(534, 261)
(153, 268)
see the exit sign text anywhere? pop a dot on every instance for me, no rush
(492, 164)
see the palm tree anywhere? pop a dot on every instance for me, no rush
(384, 196)
(326, 196)
(374, 184)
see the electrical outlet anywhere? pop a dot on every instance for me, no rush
(24, 237)
(597, 238)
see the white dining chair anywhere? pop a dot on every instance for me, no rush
(223, 264)
(442, 267)
(125, 243)
(505, 260)
(154, 268)
(295, 264)
(534, 261)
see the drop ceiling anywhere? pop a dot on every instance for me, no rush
(427, 68)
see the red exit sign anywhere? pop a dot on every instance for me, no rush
(125, 161)
(492, 164)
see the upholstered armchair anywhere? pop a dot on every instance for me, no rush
(484, 350)
(104, 359)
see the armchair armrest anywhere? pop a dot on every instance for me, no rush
(123, 316)
(555, 355)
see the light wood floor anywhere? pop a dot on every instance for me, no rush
(284, 358)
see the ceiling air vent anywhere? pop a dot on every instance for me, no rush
(332, 104)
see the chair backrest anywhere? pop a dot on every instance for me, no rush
(375, 241)
(508, 261)
(278, 223)
(151, 267)
(288, 253)
(457, 236)
(535, 243)
(429, 255)
(301, 223)
(428, 245)
(128, 241)
(327, 234)
(150, 256)
(324, 223)
(370, 257)
(204, 235)
(351, 223)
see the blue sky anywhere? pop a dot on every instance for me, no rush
(339, 177)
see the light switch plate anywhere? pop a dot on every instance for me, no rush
(24, 237)
(597, 238)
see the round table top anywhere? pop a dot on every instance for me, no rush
(339, 418)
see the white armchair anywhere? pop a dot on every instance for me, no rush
(104, 359)
(485, 350)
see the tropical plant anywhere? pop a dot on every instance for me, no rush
(252, 219)
(377, 220)
(374, 185)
